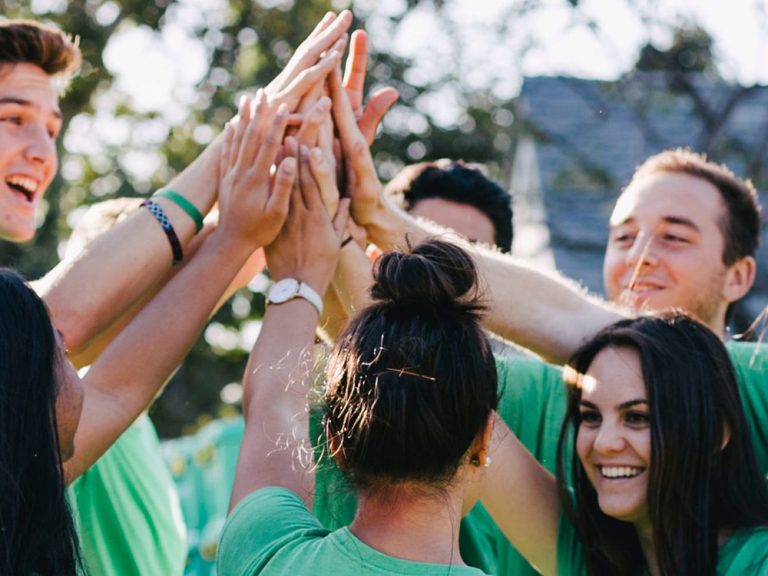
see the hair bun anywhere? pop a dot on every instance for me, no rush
(432, 274)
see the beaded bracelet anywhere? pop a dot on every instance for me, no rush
(157, 211)
(184, 204)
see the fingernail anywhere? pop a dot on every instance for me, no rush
(289, 164)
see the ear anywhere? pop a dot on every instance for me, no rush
(739, 278)
(480, 446)
(334, 446)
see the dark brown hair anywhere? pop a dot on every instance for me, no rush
(30, 42)
(412, 380)
(458, 182)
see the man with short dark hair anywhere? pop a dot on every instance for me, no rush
(458, 196)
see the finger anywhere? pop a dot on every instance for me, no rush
(295, 119)
(322, 25)
(354, 71)
(309, 51)
(308, 133)
(343, 115)
(310, 193)
(271, 142)
(251, 139)
(244, 116)
(278, 205)
(322, 173)
(310, 98)
(341, 218)
(226, 150)
(307, 79)
(377, 107)
(291, 146)
(316, 44)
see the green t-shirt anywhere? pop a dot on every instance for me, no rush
(745, 553)
(127, 509)
(271, 532)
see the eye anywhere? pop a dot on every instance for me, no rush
(637, 418)
(675, 239)
(590, 418)
(16, 120)
(623, 238)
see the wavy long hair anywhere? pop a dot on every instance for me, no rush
(37, 534)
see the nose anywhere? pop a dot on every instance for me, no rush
(643, 252)
(41, 147)
(609, 439)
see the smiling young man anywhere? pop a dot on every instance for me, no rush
(30, 121)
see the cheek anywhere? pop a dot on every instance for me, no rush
(584, 439)
(613, 270)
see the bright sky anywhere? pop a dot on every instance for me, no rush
(158, 72)
(155, 68)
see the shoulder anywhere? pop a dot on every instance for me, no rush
(261, 524)
(745, 552)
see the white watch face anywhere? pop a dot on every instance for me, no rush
(283, 290)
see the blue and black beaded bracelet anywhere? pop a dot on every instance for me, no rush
(157, 211)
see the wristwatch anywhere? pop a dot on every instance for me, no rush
(289, 288)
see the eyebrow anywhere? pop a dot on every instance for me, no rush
(623, 406)
(22, 102)
(680, 220)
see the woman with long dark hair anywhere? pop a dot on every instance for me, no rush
(411, 387)
(657, 473)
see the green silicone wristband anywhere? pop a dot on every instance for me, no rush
(184, 204)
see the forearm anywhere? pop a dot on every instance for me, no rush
(277, 379)
(126, 377)
(353, 279)
(87, 293)
(543, 312)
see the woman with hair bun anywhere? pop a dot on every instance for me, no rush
(411, 389)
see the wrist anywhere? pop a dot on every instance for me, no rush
(387, 226)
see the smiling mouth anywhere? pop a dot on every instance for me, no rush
(26, 186)
(620, 472)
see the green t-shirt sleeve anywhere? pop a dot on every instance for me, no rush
(745, 552)
(129, 517)
(532, 404)
(264, 522)
(750, 361)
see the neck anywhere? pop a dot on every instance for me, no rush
(645, 535)
(411, 523)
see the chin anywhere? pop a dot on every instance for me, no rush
(18, 235)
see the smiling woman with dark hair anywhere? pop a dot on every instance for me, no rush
(656, 446)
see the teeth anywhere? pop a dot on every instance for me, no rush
(619, 471)
(27, 185)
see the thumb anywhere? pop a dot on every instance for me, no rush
(378, 105)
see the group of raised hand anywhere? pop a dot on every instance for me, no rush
(297, 154)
